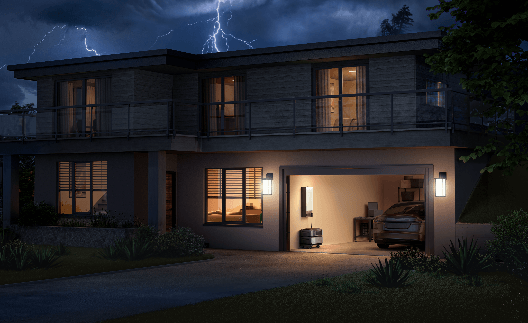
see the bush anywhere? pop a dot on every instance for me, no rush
(38, 214)
(511, 234)
(7, 235)
(413, 259)
(180, 242)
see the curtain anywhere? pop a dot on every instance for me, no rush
(240, 95)
(211, 93)
(66, 117)
(322, 106)
(361, 87)
(103, 115)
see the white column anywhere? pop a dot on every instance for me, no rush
(156, 189)
(10, 189)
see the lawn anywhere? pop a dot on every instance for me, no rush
(348, 298)
(83, 261)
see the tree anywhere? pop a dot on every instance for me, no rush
(486, 48)
(26, 165)
(402, 18)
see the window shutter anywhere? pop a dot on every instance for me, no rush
(253, 183)
(65, 176)
(214, 183)
(99, 175)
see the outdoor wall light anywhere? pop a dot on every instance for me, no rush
(266, 184)
(307, 201)
(441, 184)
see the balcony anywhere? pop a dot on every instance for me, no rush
(416, 110)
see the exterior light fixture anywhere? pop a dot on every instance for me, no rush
(266, 184)
(440, 189)
(307, 201)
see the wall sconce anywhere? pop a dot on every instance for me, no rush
(266, 184)
(440, 189)
(307, 201)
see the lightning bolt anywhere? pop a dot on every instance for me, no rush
(218, 29)
(35, 47)
(159, 37)
(86, 46)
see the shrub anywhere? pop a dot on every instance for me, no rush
(180, 242)
(465, 261)
(390, 276)
(7, 235)
(511, 233)
(413, 259)
(38, 214)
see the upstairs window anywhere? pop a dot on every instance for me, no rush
(82, 121)
(234, 195)
(435, 98)
(82, 188)
(224, 119)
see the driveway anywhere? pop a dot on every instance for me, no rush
(98, 297)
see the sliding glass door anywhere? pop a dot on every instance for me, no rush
(224, 119)
(336, 81)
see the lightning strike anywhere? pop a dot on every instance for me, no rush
(159, 37)
(218, 29)
(85, 45)
(35, 47)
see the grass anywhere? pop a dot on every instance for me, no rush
(83, 261)
(349, 297)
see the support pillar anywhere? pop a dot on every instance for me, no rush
(157, 164)
(10, 189)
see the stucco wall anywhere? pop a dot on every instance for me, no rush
(191, 188)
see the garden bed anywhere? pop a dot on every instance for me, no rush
(72, 236)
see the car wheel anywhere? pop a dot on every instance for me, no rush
(383, 245)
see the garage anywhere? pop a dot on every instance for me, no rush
(340, 199)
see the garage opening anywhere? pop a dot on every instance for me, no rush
(364, 211)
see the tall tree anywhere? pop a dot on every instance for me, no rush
(486, 48)
(399, 22)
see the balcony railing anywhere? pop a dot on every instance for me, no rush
(168, 117)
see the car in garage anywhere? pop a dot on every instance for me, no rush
(402, 223)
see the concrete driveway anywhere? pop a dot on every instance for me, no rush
(98, 297)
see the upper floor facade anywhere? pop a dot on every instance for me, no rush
(362, 93)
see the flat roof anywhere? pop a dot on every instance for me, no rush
(181, 62)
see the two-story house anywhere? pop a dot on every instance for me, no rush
(223, 143)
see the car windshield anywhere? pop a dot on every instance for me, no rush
(403, 209)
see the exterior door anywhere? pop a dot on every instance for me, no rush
(170, 193)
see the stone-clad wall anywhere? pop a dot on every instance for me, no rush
(279, 82)
(45, 90)
(186, 89)
(396, 73)
(122, 91)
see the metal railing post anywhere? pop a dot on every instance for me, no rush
(294, 118)
(128, 123)
(340, 115)
(91, 124)
(249, 120)
(452, 118)
(446, 104)
(168, 118)
(207, 118)
(392, 125)
(56, 122)
(173, 120)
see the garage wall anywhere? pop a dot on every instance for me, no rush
(191, 189)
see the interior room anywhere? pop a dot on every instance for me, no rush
(337, 200)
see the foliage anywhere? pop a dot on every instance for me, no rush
(7, 235)
(511, 231)
(411, 258)
(18, 255)
(402, 18)
(180, 242)
(465, 261)
(346, 287)
(390, 276)
(38, 214)
(486, 48)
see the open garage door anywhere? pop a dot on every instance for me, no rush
(341, 197)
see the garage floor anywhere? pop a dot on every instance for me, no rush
(355, 248)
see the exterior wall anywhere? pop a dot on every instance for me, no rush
(141, 187)
(185, 88)
(394, 73)
(191, 188)
(149, 86)
(279, 82)
(120, 182)
(480, 233)
(45, 90)
(122, 91)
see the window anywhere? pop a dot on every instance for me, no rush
(82, 187)
(234, 195)
(336, 81)
(81, 121)
(435, 98)
(224, 119)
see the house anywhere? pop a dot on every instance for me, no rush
(223, 143)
